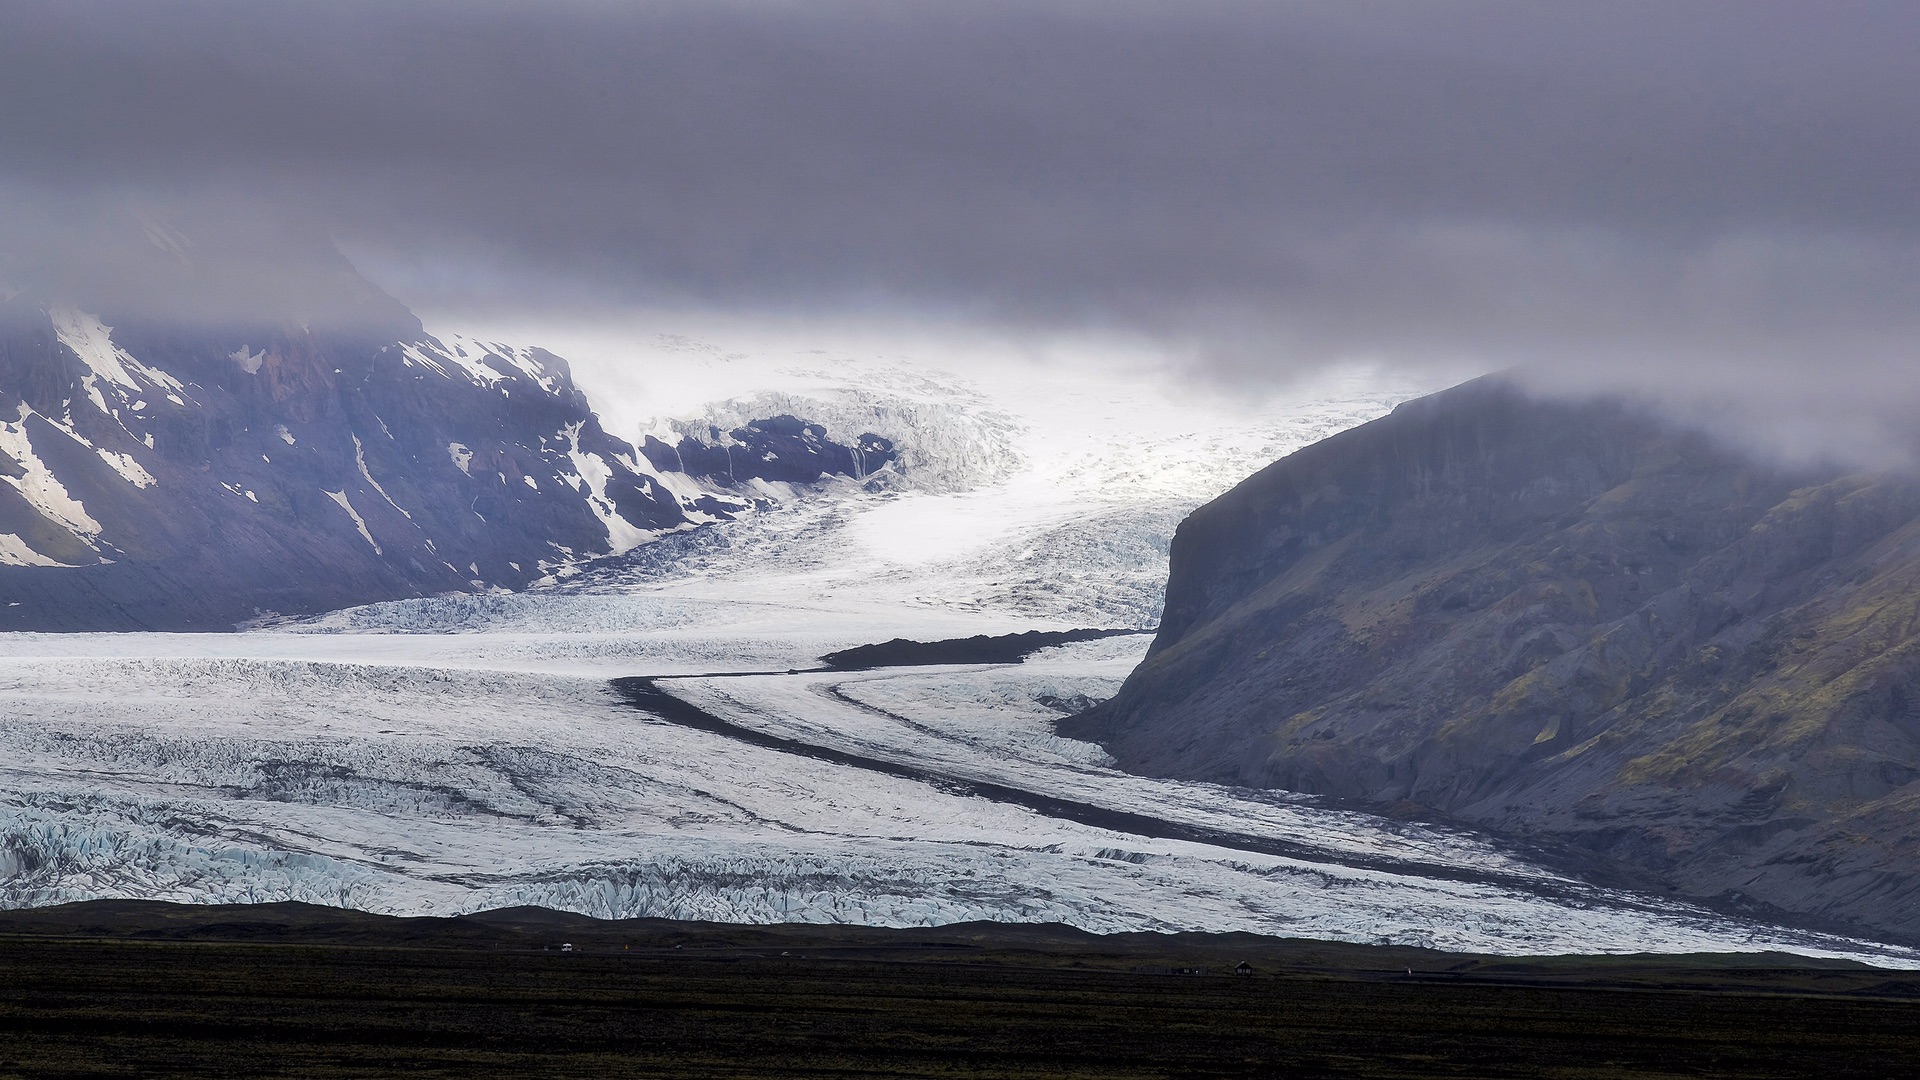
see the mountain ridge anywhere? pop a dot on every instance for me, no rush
(317, 450)
(1570, 621)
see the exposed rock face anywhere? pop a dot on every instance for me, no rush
(161, 480)
(782, 448)
(167, 473)
(1569, 621)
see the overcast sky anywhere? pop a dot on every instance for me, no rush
(1713, 197)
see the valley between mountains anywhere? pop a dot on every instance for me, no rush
(472, 751)
(492, 654)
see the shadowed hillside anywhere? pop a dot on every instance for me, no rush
(1574, 622)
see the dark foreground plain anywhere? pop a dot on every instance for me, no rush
(147, 989)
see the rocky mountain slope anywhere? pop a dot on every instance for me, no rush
(1569, 621)
(783, 448)
(320, 450)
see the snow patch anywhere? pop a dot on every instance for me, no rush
(91, 384)
(360, 459)
(129, 469)
(472, 353)
(249, 362)
(15, 552)
(42, 490)
(622, 535)
(359, 522)
(92, 341)
(482, 363)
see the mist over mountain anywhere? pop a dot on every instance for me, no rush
(919, 323)
(202, 469)
(1577, 622)
(1702, 202)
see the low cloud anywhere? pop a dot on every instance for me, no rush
(1702, 201)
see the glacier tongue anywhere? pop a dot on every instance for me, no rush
(465, 752)
(415, 774)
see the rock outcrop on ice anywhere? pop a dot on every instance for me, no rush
(1572, 621)
(936, 434)
(784, 449)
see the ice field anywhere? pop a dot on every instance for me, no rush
(395, 773)
(459, 753)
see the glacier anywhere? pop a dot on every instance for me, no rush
(466, 752)
(395, 773)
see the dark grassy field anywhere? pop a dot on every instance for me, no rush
(125, 989)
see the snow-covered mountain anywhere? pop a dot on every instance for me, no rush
(459, 743)
(470, 750)
(160, 473)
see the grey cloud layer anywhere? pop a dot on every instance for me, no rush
(1721, 189)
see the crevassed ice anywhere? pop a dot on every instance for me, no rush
(381, 779)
